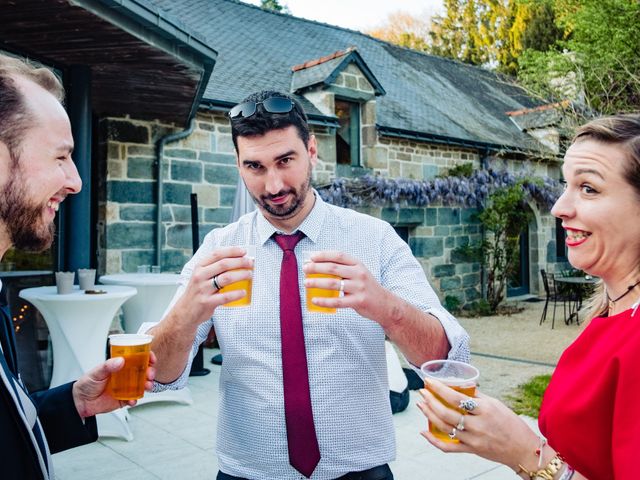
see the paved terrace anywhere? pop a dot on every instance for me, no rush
(176, 441)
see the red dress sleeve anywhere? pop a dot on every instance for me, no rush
(587, 414)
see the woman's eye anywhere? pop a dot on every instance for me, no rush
(587, 189)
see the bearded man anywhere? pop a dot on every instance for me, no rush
(36, 175)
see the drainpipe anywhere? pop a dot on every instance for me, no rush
(159, 163)
(484, 165)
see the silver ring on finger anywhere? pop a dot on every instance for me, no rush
(214, 282)
(468, 404)
(460, 426)
(452, 433)
(342, 285)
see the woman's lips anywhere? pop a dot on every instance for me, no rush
(576, 237)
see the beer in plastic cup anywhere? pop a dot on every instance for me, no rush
(245, 285)
(319, 292)
(460, 376)
(128, 383)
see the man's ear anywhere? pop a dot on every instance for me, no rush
(312, 150)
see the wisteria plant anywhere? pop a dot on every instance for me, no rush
(470, 191)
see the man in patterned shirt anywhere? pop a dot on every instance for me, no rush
(384, 292)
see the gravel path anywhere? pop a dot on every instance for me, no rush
(509, 350)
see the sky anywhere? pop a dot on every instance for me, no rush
(356, 14)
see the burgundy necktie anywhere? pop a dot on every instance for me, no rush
(304, 453)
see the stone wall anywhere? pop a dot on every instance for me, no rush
(352, 78)
(204, 163)
(417, 160)
(325, 170)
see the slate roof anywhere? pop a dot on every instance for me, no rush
(425, 94)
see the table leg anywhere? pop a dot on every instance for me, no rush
(115, 424)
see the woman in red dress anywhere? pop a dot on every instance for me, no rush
(588, 417)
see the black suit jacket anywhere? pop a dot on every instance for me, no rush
(62, 425)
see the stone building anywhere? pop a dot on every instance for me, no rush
(375, 108)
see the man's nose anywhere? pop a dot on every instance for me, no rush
(274, 183)
(73, 182)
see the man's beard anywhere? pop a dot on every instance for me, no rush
(285, 211)
(23, 221)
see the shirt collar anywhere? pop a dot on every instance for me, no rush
(311, 226)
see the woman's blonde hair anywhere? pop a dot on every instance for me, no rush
(623, 131)
(15, 117)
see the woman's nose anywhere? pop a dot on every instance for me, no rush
(564, 206)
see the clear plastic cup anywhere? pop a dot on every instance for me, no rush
(246, 285)
(314, 292)
(128, 383)
(460, 376)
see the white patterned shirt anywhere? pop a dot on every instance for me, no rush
(345, 351)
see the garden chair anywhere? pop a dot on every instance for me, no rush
(554, 295)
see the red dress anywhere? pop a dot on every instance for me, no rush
(588, 413)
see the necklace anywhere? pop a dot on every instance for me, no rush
(629, 288)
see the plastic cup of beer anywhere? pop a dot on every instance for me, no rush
(460, 376)
(245, 285)
(313, 292)
(128, 383)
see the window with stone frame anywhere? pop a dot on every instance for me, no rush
(348, 134)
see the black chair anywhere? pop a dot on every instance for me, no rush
(553, 294)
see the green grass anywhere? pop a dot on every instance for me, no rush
(528, 396)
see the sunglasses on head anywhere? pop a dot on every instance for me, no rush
(271, 105)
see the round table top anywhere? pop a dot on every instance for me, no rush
(140, 279)
(25, 273)
(584, 280)
(51, 293)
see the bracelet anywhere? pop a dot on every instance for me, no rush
(545, 473)
(543, 442)
(567, 474)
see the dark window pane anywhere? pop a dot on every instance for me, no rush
(347, 135)
(561, 247)
(403, 233)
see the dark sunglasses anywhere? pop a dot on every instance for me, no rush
(271, 105)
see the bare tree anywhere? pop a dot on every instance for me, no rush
(404, 29)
